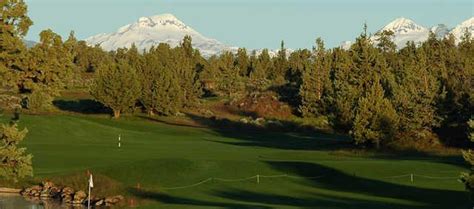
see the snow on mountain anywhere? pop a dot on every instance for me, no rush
(459, 30)
(407, 30)
(150, 31)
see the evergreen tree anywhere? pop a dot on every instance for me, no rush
(242, 62)
(344, 90)
(186, 63)
(166, 93)
(384, 41)
(14, 25)
(376, 120)
(15, 163)
(315, 82)
(415, 94)
(117, 87)
(229, 82)
(259, 75)
(280, 66)
(468, 178)
(48, 71)
(298, 62)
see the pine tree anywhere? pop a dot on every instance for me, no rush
(416, 92)
(229, 82)
(298, 62)
(344, 90)
(166, 93)
(376, 120)
(259, 76)
(384, 41)
(15, 163)
(315, 83)
(117, 87)
(280, 66)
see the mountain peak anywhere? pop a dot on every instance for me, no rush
(162, 20)
(153, 30)
(459, 30)
(403, 25)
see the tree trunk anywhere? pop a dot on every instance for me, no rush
(116, 114)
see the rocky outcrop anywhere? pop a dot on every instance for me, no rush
(67, 195)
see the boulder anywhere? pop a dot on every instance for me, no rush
(100, 202)
(113, 200)
(47, 185)
(9, 190)
(79, 198)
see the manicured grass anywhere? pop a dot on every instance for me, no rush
(157, 156)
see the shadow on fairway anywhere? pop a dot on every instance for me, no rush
(356, 193)
(169, 199)
(83, 106)
(292, 137)
(337, 181)
(309, 140)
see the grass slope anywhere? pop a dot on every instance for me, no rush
(157, 155)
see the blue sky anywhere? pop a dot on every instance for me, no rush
(248, 23)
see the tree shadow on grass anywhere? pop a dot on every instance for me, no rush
(83, 106)
(169, 199)
(342, 182)
(292, 137)
(284, 135)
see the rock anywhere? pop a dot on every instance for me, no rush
(100, 202)
(67, 194)
(55, 192)
(79, 198)
(113, 200)
(9, 190)
(47, 185)
(244, 120)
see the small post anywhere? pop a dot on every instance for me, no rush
(411, 178)
(258, 179)
(119, 140)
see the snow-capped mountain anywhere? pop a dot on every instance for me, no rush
(150, 31)
(407, 30)
(459, 30)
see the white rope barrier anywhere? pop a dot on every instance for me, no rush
(411, 175)
(399, 176)
(234, 180)
(435, 177)
(189, 186)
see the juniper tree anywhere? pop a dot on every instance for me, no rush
(15, 163)
(116, 86)
(47, 72)
(14, 25)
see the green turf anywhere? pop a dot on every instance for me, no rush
(157, 156)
